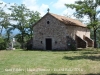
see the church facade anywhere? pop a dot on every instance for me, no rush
(55, 32)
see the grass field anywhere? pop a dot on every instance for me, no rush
(20, 62)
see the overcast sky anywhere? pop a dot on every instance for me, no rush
(55, 6)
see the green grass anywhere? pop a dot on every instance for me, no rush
(19, 62)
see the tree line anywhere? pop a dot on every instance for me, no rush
(22, 19)
(18, 17)
(91, 9)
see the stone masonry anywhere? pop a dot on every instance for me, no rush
(50, 27)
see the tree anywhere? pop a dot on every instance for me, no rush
(3, 44)
(8, 33)
(4, 19)
(24, 19)
(33, 18)
(1, 13)
(88, 8)
(20, 16)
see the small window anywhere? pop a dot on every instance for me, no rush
(41, 42)
(55, 42)
(48, 22)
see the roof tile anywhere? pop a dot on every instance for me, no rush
(68, 21)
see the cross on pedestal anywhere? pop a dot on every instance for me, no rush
(48, 10)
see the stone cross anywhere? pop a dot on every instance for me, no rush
(48, 10)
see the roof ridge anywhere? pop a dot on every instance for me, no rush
(66, 20)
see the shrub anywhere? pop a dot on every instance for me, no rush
(3, 44)
(17, 45)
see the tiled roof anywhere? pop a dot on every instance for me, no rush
(68, 21)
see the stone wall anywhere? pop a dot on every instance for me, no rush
(49, 27)
(82, 31)
(80, 42)
(89, 41)
(71, 43)
(79, 31)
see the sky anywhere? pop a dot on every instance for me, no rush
(55, 6)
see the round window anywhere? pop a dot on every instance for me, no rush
(48, 22)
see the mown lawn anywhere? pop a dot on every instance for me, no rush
(20, 62)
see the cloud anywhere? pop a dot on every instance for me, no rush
(3, 4)
(68, 13)
(32, 5)
(68, 10)
(43, 8)
(1, 1)
(60, 4)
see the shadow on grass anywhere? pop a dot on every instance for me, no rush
(46, 50)
(75, 74)
(31, 50)
(92, 74)
(56, 74)
(91, 52)
(94, 58)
